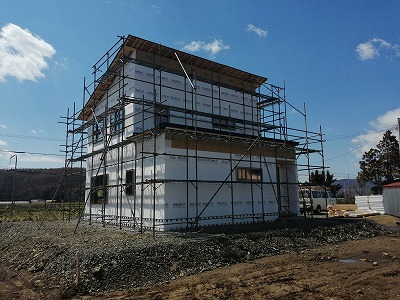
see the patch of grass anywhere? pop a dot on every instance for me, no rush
(40, 211)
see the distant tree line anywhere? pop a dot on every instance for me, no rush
(42, 184)
(380, 165)
(325, 180)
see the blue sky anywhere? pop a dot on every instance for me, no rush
(341, 59)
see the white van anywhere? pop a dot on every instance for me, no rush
(319, 201)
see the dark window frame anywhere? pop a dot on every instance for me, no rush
(117, 121)
(249, 174)
(130, 180)
(161, 115)
(98, 128)
(99, 193)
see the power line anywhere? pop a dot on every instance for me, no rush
(31, 137)
(352, 150)
(32, 153)
(351, 134)
(367, 142)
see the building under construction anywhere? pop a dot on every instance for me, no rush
(175, 141)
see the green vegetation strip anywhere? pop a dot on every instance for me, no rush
(40, 211)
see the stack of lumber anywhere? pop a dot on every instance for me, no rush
(338, 210)
(350, 211)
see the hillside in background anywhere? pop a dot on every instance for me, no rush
(351, 188)
(42, 184)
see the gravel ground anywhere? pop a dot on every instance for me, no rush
(113, 259)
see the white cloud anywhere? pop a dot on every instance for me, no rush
(386, 120)
(259, 31)
(61, 65)
(379, 126)
(381, 43)
(213, 48)
(3, 126)
(366, 51)
(35, 132)
(375, 47)
(22, 54)
(37, 158)
(156, 8)
(193, 46)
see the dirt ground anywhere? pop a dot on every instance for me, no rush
(362, 269)
(368, 269)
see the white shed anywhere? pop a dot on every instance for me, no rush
(391, 199)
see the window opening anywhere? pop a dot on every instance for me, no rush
(162, 116)
(117, 121)
(130, 180)
(249, 174)
(98, 130)
(99, 191)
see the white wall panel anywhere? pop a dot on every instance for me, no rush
(176, 197)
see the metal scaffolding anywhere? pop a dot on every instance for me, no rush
(109, 137)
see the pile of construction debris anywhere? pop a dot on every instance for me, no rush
(350, 211)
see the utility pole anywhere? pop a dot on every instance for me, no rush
(398, 131)
(13, 183)
(348, 186)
